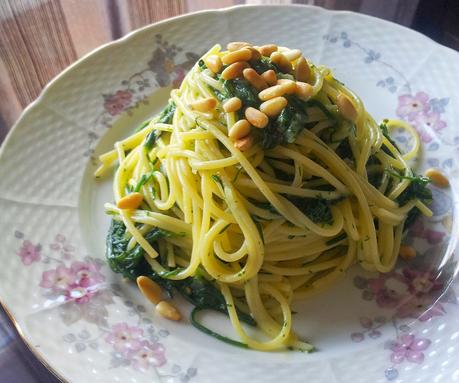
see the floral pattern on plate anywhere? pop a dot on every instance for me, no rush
(162, 71)
(80, 290)
(117, 93)
(414, 290)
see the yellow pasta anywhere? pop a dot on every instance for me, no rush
(247, 218)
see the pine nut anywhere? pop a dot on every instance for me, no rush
(168, 311)
(270, 77)
(407, 252)
(256, 55)
(271, 92)
(266, 50)
(292, 54)
(240, 129)
(281, 61)
(285, 87)
(255, 79)
(204, 105)
(281, 81)
(131, 201)
(288, 85)
(303, 90)
(256, 118)
(244, 143)
(236, 45)
(438, 179)
(274, 106)
(233, 104)
(214, 63)
(346, 107)
(149, 289)
(234, 70)
(243, 54)
(302, 70)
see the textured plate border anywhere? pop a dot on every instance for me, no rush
(102, 49)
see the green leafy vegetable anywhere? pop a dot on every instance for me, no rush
(151, 139)
(143, 180)
(212, 333)
(142, 126)
(165, 117)
(131, 264)
(316, 209)
(204, 295)
(286, 127)
(264, 205)
(416, 190)
(344, 149)
(167, 114)
(263, 65)
(243, 90)
(202, 65)
(171, 273)
(421, 180)
(129, 189)
(220, 96)
(385, 132)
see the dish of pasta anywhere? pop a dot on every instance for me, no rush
(261, 182)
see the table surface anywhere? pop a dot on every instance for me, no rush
(39, 38)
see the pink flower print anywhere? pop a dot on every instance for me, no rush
(430, 121)
(388, 289)
(87, 273)
(424, 136)
(59, 279)
(29, 253)
(427, 123)
(422, 308)
(147, 355)
(410, 348)
(432, 236)
(61, 245)
(411, 106)
(114, 104)
(79, 294)
(421, 282)
(125, 338)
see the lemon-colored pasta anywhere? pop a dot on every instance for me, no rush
(237, 216)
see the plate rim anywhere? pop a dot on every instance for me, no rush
(125, 39)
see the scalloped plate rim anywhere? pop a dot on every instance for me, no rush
(54, 82)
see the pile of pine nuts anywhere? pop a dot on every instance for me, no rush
(236, 63)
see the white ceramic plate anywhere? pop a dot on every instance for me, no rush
(90, 326)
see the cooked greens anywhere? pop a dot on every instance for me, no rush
(198, 290)
(243, 90)
(285, 128)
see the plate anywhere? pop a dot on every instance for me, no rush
(88, 325)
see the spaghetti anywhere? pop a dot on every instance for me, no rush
(269, 198)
